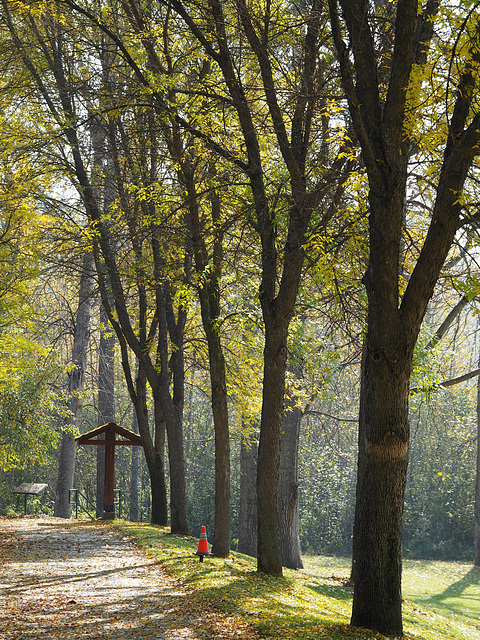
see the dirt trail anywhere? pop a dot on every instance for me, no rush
(73, 580)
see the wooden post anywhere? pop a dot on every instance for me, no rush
(108, 496)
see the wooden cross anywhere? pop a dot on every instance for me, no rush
(109, 431)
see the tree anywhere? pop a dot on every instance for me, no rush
(102, 171)
(76, 382)
(383, 101)
(28, 404)
(208, 271)
(288, 508)
(247, 519)
(105, 398)
(282, 206)
(477, 480)
(28, 372)
(65, 100)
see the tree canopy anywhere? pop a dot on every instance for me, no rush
(272, 193)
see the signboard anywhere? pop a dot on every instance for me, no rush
(30, 489)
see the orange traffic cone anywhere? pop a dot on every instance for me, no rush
(202, 550)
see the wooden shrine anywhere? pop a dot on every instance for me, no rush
(109, 432)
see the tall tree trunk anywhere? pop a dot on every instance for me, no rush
(381, 478)
(477, 477)
(208, 268)
(169, 410)
(102, 175)
(247, 525)
(269, 558)
(176, 460)
(288, 508)
(211, 307)
(66, 475)
(153, 455)
(222, 532)
(76, 383)
(383, 422)
(379, 110)
(134, 476)
(280, 277)
(106, 396)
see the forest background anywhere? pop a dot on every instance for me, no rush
(183, 187)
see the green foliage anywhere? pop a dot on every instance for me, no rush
(327, 499)
(428, 362)
(29, 409)
(441, 479)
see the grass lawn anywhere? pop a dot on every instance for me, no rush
(442, 600)
(431, 589)
(450, 588)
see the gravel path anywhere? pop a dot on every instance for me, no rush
(73, 580)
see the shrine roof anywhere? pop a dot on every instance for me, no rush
(109, 428)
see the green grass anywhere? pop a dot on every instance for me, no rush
(449, 588)
(440, 597)
(442, 600)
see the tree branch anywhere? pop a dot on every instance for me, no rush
(447, 383)
(348, 82)
(447, 323)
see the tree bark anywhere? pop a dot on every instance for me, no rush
(153, 456)
(134, 476)
(222, 531)
(288, 507)
(106, 396)
(477, 479)
(76, 383)
(381, 477)
(269, 558)
(209, 273)
(102, 178)
(247, 525)
(66, 475)
(169, 409)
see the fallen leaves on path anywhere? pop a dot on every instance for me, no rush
(75, 579)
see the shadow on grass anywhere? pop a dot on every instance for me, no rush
(332, 591)
(457, 588)
(454, 597)
(271, 605)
